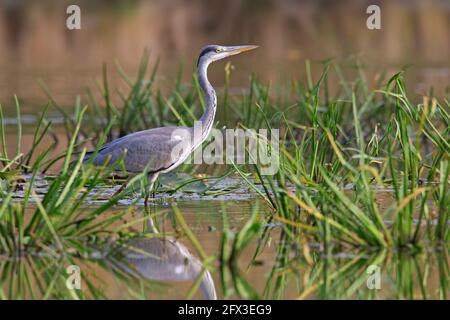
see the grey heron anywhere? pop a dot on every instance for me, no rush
(158, 150)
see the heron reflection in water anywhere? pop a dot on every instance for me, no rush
(162, 258)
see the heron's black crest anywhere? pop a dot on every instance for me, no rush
(206, 50)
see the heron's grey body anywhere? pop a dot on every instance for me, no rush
(155, 150)
(152, 148)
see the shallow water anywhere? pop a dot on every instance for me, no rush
(161, 268)
(167, 266)
(299, 275)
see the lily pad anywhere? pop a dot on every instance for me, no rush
(173, 180)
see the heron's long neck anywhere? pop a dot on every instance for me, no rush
(207, 119)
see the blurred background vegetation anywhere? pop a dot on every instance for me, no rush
(36, 44)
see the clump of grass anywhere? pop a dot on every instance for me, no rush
(59, 217)
(40, 236)
(333, 167)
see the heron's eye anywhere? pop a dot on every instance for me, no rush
(219, 50)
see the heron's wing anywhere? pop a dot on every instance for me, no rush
(157, 148)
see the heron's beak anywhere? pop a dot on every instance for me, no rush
(239, 49)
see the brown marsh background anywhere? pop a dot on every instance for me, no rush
(35, 44)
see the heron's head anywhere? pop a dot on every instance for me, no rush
(215, 52)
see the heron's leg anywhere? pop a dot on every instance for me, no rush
(151, 181)
(122, 187)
